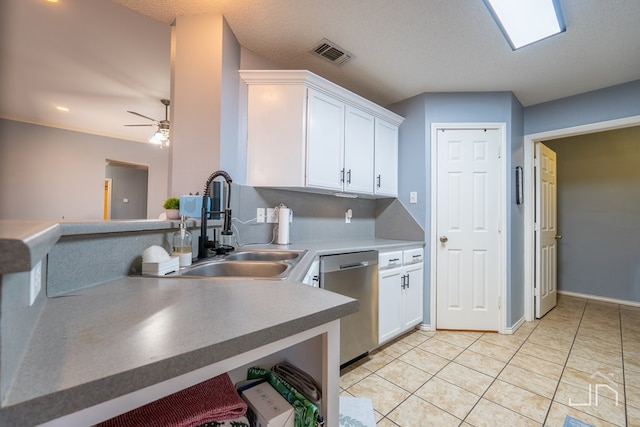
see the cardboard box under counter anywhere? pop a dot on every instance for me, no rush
(267, 408)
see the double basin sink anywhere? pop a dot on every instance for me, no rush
(259, 264)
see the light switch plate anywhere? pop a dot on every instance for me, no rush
(260, 215)
(413, 197)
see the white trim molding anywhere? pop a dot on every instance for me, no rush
(600, 299)
(512, 330)
(505, 235)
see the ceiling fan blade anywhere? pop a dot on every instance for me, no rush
(141, 125)
(142, 115)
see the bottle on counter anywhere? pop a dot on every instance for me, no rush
(182, 244)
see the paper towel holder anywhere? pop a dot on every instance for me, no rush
(285, 216)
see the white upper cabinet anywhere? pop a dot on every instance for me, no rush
(304, 132)
(386, 159)
(358, 151)
(325, 141)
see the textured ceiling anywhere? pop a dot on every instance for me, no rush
(103, 53)
(403, 48)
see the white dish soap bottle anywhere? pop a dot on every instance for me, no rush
(182, 244)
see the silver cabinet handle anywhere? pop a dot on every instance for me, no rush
(444, 239)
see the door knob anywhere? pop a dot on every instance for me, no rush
(444, 239)
(558, 236)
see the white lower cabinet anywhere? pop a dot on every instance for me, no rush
(389, 304)
(312, 278)
(400, 290)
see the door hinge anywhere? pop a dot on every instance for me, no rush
(499, 152)
(499, 303)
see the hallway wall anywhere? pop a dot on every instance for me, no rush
(599, 213)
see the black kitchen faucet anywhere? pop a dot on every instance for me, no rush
(204, 244)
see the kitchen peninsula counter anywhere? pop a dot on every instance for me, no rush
(140, 338)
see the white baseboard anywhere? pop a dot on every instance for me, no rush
(515, 326)
(424, 327)
(599, 298)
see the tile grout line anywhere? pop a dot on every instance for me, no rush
(564, 366)
(624, 379)
(407, 347)
(432, 376)
(496, 378)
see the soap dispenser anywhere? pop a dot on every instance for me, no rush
(182, 244)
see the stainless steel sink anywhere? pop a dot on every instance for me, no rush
(235, 269)
(248, 264)
(263, 255)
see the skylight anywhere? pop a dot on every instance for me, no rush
(527, 21)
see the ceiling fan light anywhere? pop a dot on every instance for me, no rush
(156, 138)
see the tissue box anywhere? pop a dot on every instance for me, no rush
(267, 407)
(161, 268)
(191, 206)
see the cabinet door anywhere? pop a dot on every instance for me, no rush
(312, 278)
(386, 159)
(358, 151)
(325, 141)
(412, 300)
(389, 304)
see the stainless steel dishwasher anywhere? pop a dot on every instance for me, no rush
(355, 275)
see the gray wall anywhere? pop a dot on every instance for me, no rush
(610, 103)
(129, 184)
(50, 173)
(415, 164)
(231, 156)
(599, 213)
(319, 217)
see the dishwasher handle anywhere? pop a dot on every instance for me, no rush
(348, 261)
(354, 265)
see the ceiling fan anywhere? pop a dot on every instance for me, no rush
(161, 136)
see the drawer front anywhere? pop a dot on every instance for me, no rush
(389, 259)
(412, 256)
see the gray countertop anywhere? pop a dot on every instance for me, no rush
(24, 243)
(98, 343)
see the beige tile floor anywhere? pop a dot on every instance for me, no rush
(546, 370)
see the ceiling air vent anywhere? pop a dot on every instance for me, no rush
(332, 52)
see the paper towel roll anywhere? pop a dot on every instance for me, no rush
(283, 225)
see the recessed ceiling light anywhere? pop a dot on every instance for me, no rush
(52, 1)
(60, 108)
(527, 21)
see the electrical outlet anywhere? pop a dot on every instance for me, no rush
(413, 197)
(272, 215)
(260, 215)
(35, 282)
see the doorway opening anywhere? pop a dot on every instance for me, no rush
(126, 197)
(529, 195)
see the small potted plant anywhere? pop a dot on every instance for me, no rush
(172, 207)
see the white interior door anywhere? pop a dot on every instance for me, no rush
(468, 263)
(546, 230)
